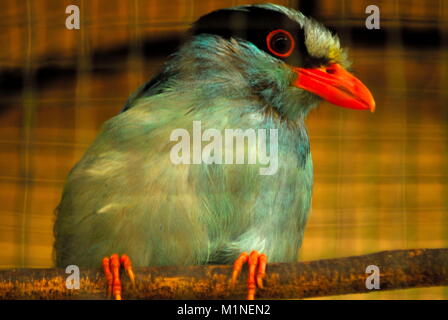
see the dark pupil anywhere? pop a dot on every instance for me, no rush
(280, 43)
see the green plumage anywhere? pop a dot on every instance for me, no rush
(126, 196)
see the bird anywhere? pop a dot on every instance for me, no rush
(260, 67)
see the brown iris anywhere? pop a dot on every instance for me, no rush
(280, 43)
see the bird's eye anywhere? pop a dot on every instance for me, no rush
(280, 43)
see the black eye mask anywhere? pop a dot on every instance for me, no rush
(257, 25)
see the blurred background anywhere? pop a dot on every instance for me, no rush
(381, 180)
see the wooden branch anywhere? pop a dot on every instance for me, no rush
(398, 269)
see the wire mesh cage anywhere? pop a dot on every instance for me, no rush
(381, 180)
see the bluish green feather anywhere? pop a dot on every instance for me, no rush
(125, 195)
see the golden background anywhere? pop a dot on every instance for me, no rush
(381, 180)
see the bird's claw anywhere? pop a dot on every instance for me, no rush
(257, 271)
(111, 267)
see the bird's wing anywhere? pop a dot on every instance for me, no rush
(126, 196)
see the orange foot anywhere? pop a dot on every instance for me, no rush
(111, 267)
(255, 279)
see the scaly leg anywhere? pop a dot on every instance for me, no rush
(257, 271)
(111, 267)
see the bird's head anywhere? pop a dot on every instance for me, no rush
(288, 61)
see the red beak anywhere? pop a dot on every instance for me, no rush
(336, 85)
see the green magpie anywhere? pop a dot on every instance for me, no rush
(247, 67)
